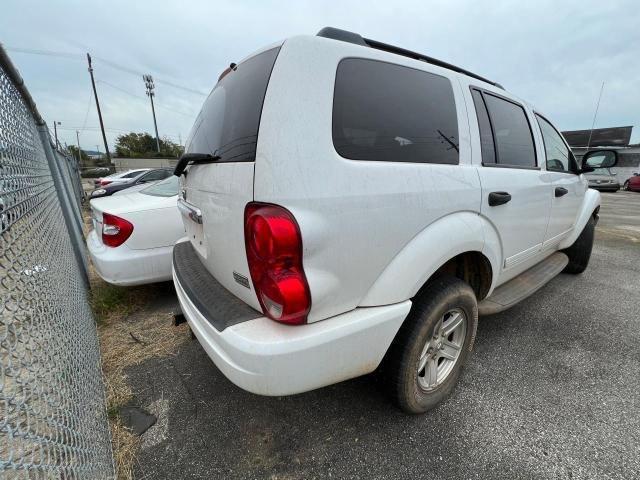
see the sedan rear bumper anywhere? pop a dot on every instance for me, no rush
(125, 266)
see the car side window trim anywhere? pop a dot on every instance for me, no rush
(484, 92)
(572, 158)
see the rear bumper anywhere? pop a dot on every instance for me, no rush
(125, 266)
(269, 358)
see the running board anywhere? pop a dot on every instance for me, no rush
(525, 284)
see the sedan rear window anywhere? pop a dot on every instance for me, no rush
(165, 188)
(227, 125)
(388, 112)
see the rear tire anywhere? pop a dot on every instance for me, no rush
(429, 336)
(626, 186)
(580, 252)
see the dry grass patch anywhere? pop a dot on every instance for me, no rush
(130, 332)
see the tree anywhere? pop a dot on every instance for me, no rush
(143, 145)
(74, 152)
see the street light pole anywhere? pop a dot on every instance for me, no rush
(148, 81)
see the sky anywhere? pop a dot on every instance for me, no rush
(555, 55)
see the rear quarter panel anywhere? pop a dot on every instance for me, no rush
(355, 216)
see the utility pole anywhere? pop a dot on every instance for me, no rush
(55, 132)
(95, 93)
(79, 151)
(148, 81)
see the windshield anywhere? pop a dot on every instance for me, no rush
(227, 125)
(166, 188)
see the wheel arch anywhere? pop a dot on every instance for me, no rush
(589, 208)
(463, 244)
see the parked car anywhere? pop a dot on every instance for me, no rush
(632, 184)
(118, 177)
(141, 177)
(95, 172)
(351, 205)
(134, 234)
(603, 179)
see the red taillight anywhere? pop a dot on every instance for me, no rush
(115, 230)
(274, 252)
(105, 182)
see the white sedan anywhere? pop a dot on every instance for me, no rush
(133, 236)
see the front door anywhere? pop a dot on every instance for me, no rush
(568, 187)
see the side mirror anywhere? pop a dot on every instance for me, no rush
(598, 159)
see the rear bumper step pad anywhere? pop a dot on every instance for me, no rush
(218, 305)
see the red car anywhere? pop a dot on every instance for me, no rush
(633, 183)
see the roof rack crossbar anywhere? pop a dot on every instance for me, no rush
(346, 36)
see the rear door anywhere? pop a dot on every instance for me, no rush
(515, 194)
(568, 187)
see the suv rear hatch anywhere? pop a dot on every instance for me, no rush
(216, 190)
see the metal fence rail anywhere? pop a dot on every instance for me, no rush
(52, 406)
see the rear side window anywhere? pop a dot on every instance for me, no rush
(487, 146)
(392, 113)
(227, 125)
(512, 133)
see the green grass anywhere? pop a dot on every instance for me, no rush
(109, 301)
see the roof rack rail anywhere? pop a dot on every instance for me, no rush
(351, 37)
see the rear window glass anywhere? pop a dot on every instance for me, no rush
(165, 188)
(135, 173)
(228, 123)
(388, 112)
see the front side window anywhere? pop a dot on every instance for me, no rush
(387, 112)
(512, 134)
(559, 157)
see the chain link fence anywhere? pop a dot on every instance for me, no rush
(53, 422)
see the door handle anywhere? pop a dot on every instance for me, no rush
(498, 198)
(560, 191)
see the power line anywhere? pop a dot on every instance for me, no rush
(109, 63)
(110, 130)
(140, 97)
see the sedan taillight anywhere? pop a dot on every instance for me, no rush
(115, 230)
(274, 253)
(105, 182)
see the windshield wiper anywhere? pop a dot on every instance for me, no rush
(191, 158)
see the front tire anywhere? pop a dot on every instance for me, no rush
(580, 252)
(426, 357)
(626, 186)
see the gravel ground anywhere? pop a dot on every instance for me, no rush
(551, 391)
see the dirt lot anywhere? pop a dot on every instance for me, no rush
(552, 391)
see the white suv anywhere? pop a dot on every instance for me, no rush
(352, 206)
